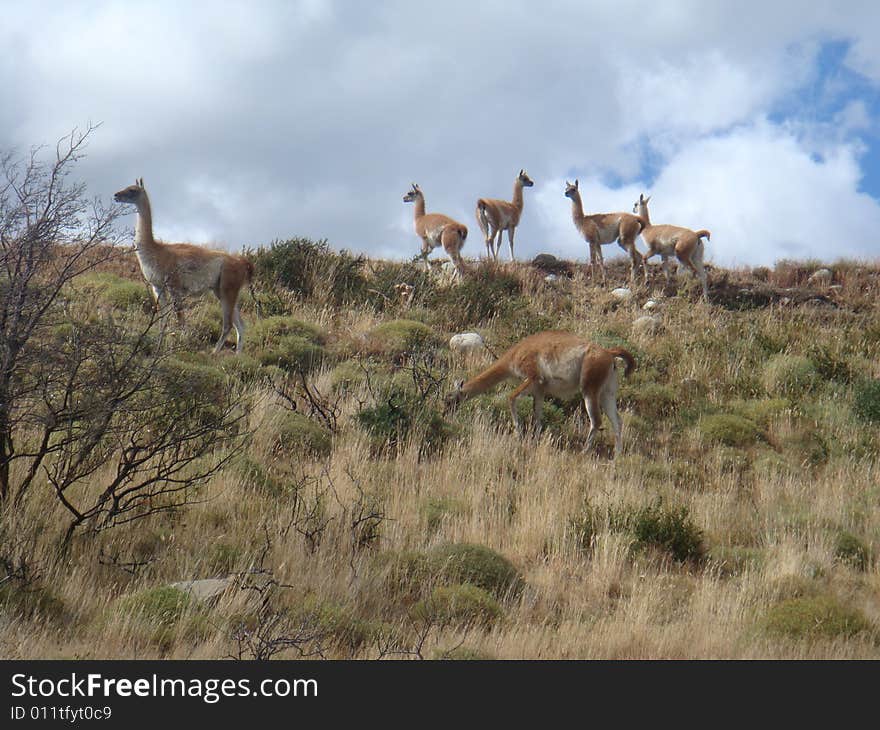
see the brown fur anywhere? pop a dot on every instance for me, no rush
(561, 364)
(603, 228)
(175, 270)
(436, 229)
(683, 243)
(496, 216)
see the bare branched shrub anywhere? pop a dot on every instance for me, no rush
(50, 232)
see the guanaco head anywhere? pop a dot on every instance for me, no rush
(571, 189)
(454, 397)
(524, 179)
(640, 204)
(411, 195)
(131, 194)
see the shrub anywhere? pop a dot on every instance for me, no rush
(266, 331)
(851, 550)
(400, 414)
(671, 530)
(346, 376)
(310, 269)
(649, 400)
(292, 353)
(478, 565)
(761, 410)
(400, 336)
(117, 292)
(460, 604)
(162, 606)
(485, 293)
(729, 429)
(812, 617)
(790, 376)
(381, 294)
(297, 433)
(181, 378)
(435, 510)
(866, 401)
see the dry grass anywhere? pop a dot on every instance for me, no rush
(770, 509)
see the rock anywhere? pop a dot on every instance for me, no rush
(836, 287)
(548, 263)
(622, 294)
(650, 305)
(821, 277)
(467, 343)
(551, 278)
(647, 325)
(205, 589)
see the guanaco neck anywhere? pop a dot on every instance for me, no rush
(577, 209)
(518, 195)
(143, 232)
(419, 206)
(491, 376)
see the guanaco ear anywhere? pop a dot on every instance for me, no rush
(647, 199)
(575, 184)
(522, 171)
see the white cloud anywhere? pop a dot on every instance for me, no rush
(256, 121)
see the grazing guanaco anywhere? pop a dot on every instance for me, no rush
(560, 364)
(436, 230)
(175, 270)
(683, 243)
(599, 229)
(497, 216)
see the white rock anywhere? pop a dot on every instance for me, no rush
(650, 305)
(622, 294)
(204, 589)
(647, 325)
(466, 342)
(822, 277)
(551, 278)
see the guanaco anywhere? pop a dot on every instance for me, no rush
(496, 216)
(683, 243)
(603, 228)
(560, 364)
(175, 270)
(436, 230)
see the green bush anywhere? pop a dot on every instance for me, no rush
(762, 411)
(866, 401)
(463, 654)
(400, 336)
(729, 429)
(381, 294)
(649, 400)
(790, 376)
(478, 565)
(311, 270)
(460, 604)
(485, 293)
(398, 415)
(671, 530)
(298, 434)
(292, 353)
(117, 292)
(161, 606)
(437, 509)
(812, 617)
(186, 378)
(265, 332)
(852, 550)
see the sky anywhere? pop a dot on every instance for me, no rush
(256, 121)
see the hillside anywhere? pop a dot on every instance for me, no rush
(355, 517)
